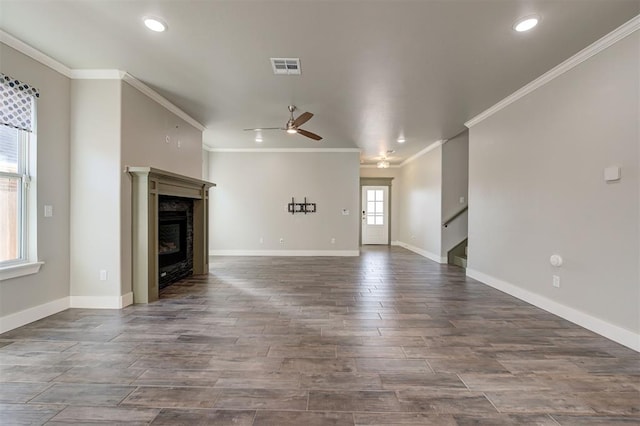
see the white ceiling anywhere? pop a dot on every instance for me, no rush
(371, 70)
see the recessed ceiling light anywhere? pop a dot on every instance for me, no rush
(526, 23)
(155, 24)
(401, 139)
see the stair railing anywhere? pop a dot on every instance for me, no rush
(452, 218)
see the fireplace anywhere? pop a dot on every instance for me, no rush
(175, 239)
(157, 193)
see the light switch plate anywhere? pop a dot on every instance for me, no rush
(48, 211)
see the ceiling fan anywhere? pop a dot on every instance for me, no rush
(293, 125)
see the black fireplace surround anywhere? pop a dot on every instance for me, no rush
(175, 239)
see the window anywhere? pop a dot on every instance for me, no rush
(17, 218)
(375, 207)
(14, 180)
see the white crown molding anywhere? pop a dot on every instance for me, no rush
(134, 82)
(34, 53)
(91, 74)
(373, 166)
(613, 37)
(419, 154)
(618, 334)
(27, 316)
(97, 74)
(300, 150)
(340, 253)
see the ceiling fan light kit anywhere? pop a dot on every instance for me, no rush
(293, 125)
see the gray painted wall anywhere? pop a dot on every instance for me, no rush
(537, 188)
(455, 184)
(421, 203)
(253, 190)
(52, 180)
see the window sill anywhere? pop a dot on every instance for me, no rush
(19, 270)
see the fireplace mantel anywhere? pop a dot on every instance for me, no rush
(148, 184)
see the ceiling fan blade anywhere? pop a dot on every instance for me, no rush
(309, 134)
(302, 118)
(265, 128)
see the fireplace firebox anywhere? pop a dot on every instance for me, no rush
(175, 239)
(172, 238)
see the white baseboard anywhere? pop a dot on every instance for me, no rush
(421, 252)
(126, 300)
(101, 302)
(618, 334)
(11, 321)
(284, 252)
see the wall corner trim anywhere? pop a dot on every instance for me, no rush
(421, 252)
(608, 40)
(27, 316)
(613, 332)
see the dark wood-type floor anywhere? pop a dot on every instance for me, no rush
(388, 338)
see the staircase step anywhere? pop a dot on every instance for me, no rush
(460, 261)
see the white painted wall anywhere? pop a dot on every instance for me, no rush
(145, 126)
(95, 187)
(421, 204)
(537, 188)
(52, 180)
(251, 198)
(396, 184)
(455, 184)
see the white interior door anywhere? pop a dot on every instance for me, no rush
(375, 215)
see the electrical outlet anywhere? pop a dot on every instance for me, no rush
(333, 241)
(103, 275)
(261, 240)
(281, 240)
(556, 281)
(48, 211)
(461, 200)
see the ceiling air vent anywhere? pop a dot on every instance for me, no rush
(285, 66)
